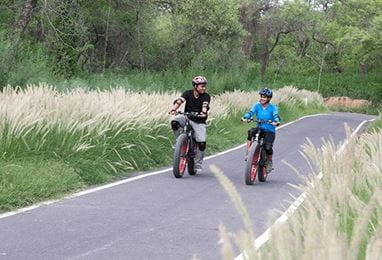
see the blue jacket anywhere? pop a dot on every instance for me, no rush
(271, 112)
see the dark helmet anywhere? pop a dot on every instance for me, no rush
(266, 92)
(199, 80)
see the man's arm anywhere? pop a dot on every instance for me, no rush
(205, 107)
(177, 103)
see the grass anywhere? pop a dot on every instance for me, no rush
(340, 217)
(348, 83)
(370, 110)
(53, 143)
(376, 125)
(26, 181)
(100, 136)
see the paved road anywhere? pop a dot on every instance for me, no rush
(160, 217)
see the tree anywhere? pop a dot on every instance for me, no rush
(25, 17)
(207, 31)
(18, 29)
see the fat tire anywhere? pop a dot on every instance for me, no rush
(178, 156)
(262, 172)
(191, 167)
(252, 161)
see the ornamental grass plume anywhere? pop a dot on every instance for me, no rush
(340, 216)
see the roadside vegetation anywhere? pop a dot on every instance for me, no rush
(330, 48)
(117, 65)
(55, 142)
(340, 217)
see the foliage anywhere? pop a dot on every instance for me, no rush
(30, 65)
(330, 46)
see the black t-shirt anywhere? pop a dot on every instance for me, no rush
(196, 104)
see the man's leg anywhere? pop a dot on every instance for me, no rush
(177, 125)
(200, 137)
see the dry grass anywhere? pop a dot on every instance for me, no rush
(241, 100)
(43, 107)
(340, 217)
(97, 136)
(245, 239)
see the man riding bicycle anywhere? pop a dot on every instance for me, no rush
(197, 101)
(264, 110)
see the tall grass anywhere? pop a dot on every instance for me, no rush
(340, 217)
(98, 136)
(348, 83)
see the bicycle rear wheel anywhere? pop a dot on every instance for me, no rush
(251, 167)
(180, 156)
(262, 172)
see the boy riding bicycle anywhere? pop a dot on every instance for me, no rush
(264, 110)
(197, 101)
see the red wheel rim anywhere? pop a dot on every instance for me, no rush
(183, 157)
(253, 172)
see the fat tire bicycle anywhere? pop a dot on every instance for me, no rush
(257, 157)
(185, 149)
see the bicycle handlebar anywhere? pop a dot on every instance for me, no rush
(188, 113)
(262, 121)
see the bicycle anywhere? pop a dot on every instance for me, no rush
(185, 149)
(257, 157)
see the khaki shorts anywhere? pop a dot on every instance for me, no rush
(200, 129)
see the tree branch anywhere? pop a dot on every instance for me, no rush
(277, 39)
(323, 41)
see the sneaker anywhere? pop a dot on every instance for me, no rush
(246, 158)
(269, 166)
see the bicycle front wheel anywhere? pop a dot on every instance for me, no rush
(252, 165)
(191, 159)
(180, 156)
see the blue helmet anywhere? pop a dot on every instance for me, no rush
(266, 92)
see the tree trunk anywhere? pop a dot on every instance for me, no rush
(264, 48)
(264, 58)
(141, 53)
(18, 29)
(362, 69)
(246, 19)
(21, 24)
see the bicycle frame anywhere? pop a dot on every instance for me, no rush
(185, 150)
(190, 134)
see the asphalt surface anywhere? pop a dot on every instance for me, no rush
(160, 217)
